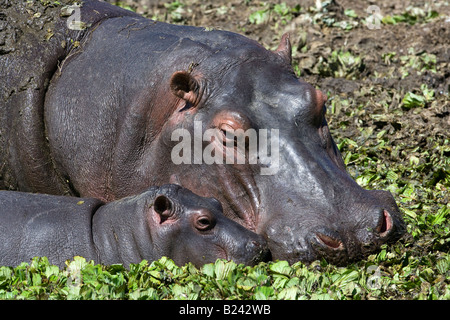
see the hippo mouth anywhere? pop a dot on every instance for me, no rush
(341, 247)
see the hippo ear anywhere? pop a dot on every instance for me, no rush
(163, 207)
(185, 86)
(284, 49)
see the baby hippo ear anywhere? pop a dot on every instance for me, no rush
(284, 49)
(185, 86)
(163, 207)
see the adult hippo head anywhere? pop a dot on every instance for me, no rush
(141, 103)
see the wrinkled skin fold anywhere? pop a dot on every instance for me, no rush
(106, 125)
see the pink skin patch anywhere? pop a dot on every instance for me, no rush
(330, 242)
(386, 224)
(321, 98)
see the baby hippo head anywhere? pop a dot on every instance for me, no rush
(190, 228)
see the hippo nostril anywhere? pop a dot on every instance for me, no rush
(385, 224)
(329, 241)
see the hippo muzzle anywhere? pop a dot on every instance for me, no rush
(342, 237)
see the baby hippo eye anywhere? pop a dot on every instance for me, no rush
(204, 220)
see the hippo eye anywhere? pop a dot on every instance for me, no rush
(204, 221)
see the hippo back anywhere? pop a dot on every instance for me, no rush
(57, 227)
(36, 43)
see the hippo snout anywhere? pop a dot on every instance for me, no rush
(347, 234)
(357, 240)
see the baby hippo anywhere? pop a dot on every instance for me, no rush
(166, 221)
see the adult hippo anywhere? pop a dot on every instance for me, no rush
(126, 103)
(162, 221)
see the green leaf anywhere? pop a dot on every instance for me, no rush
(208, 269)
(440, 216)
(392, 176)
(51, 271)
(410, 213)
(223, 268)
(350, 13)
(412, 100)
(264, 293)
(259, 17)
(245, 284)
(281, 267)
